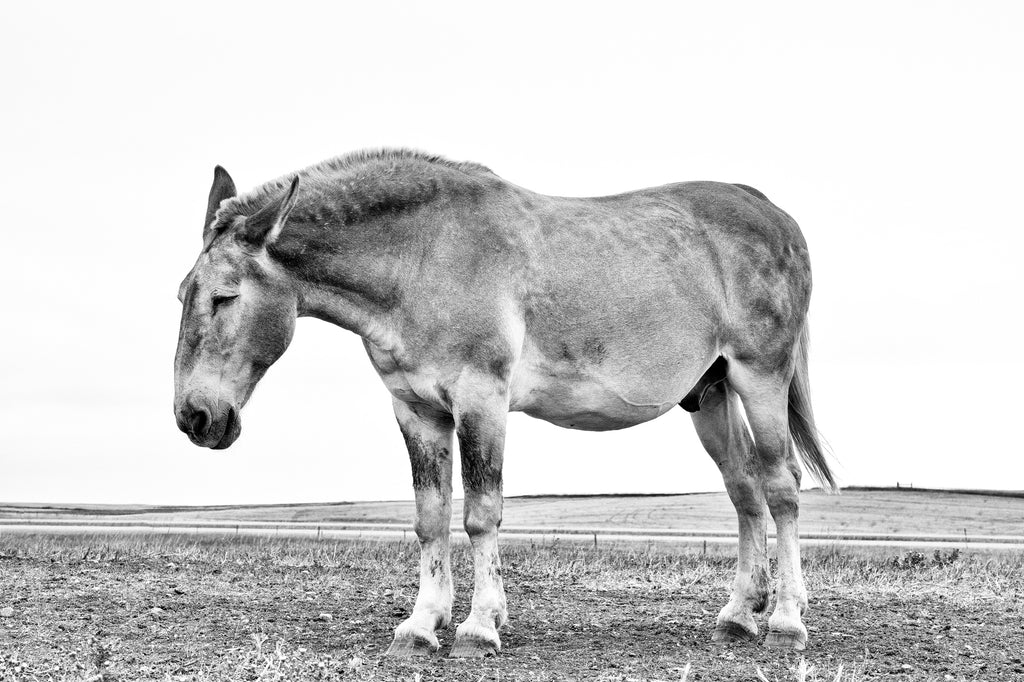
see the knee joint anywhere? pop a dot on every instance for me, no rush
(481, 518)
(782, 499)
(744, 493)
(430, 525)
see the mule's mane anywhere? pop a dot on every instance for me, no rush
(363, 183)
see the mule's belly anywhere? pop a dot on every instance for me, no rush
(590, 402)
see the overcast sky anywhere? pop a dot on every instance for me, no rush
(890, 131)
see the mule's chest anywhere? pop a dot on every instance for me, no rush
(418, 384)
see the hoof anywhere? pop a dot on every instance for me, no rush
(732, 633)
(794, 641)
(410, 647)
(469, 647)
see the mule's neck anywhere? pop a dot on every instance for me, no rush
(356, 240)
(347, 275)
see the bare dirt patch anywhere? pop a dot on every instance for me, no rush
(247, 609)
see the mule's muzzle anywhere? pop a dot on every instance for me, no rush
(210, 426)
(198, 424)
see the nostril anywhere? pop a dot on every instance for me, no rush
(199, 423)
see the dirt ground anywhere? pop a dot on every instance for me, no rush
(172, 607)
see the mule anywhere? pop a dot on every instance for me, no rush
(476, 297)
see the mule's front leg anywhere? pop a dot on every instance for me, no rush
(428, 437)
(481, 432)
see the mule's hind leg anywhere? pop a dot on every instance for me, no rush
(720, 428)
(765, 399)
(428, 437)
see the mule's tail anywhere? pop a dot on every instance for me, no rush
(801, 420)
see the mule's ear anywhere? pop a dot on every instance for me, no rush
(223, 188)
(264, 226)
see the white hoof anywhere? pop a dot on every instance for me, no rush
(474, 639)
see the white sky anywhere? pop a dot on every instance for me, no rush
(891, 131)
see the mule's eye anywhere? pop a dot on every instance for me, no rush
(220, 300)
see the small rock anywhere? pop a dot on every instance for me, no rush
(6, 612)
(325, 616)
(156, 611)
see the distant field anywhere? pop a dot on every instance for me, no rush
(867, 511)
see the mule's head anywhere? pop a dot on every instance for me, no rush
(238, 315)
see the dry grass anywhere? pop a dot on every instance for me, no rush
(199, 608)
(877, 569)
